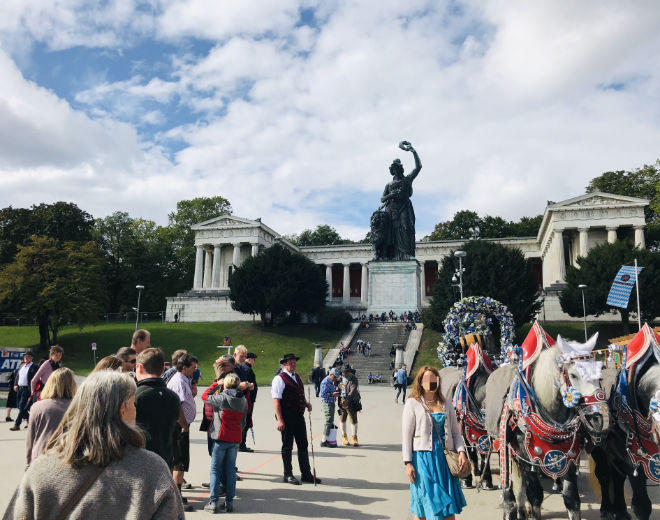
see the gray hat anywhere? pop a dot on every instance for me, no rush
(335, 372)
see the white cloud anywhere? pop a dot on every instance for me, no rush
(509, 105)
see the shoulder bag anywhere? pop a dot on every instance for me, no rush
(451, 455)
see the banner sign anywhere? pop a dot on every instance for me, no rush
(9, 361)
(623, 284)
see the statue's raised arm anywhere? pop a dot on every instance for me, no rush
(405, 145)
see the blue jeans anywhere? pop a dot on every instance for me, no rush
(223, 470)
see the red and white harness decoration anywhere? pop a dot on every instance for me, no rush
(551, 447)
(471, 419)
(642, 449)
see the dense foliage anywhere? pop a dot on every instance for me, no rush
(468, 224)
(277, 284)
(597, 271)
(54, 282)
(491, 270)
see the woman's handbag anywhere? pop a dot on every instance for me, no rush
(452, 455)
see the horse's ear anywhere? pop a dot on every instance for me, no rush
(575, 348)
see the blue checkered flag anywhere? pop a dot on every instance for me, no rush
(623, 284)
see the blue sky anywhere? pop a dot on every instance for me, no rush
(292, 109)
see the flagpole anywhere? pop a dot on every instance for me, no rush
(639, 314)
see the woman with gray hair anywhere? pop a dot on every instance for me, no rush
(95, 464)
(47, 413)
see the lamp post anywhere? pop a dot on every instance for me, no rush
(460, 255)
(137, 313)
(582, 287)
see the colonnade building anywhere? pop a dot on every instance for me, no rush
(569, 229)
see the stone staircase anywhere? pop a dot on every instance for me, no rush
(381, 336)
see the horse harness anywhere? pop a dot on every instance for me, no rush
(549, 445)
(640, 446)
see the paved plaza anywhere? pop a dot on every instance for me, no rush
(363, 483)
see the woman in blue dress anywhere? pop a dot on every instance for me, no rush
(428, 426)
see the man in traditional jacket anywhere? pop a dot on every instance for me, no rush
(288, 393)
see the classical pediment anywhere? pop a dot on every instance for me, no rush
(226, 221)
(598, 199)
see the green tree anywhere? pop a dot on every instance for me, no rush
(597, 271)
(189, 212)
(137, 251)
(53, 283)
(468, 224)
(323, 235)
(63, 221)
(15, 230)
(277, 282)
(492, 270)
(525, 227)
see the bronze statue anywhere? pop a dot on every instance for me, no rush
(393, 224)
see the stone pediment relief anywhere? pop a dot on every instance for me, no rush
(226, 221)
(598, 200)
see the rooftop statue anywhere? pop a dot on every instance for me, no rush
(393, 224)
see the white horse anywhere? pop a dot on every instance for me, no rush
(543, 424)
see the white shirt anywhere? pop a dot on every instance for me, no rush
(278, 385)
(23, 375)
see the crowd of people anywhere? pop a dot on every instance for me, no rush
(127, 427)
(410, 318)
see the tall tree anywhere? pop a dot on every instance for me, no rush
(323, 235)
(137, 251)
(597, 271)
(15, 230)
(53, 283)
(63, 221)
(492, 270)
(277, 282)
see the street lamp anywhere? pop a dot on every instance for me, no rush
(582, 287)
(460, 255)
(137, 314)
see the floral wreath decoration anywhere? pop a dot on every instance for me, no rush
(474, 315)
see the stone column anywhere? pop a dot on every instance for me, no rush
(199, 268)
(255, 249)
(398, 359)
(639, 237)
(364, 285)
(559, 237)
(611, 235)
(347, 284)
(236, 260)
(422, 282)
(318, 354)
(208, 268)
(328, 278)
(217, 255)
(584, 241)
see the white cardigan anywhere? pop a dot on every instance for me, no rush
(417, 429)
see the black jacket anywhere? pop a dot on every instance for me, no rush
(157, 412)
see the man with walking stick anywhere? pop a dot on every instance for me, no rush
(289, 402)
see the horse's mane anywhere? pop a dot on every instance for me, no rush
(544, 375)
(647, 385)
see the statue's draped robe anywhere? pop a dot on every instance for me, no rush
(402, 217)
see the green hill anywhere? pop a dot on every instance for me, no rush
(201, 339)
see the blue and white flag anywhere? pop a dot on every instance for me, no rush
(622, 286)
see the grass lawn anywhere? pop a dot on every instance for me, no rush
(201, 339)
(569, 330)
